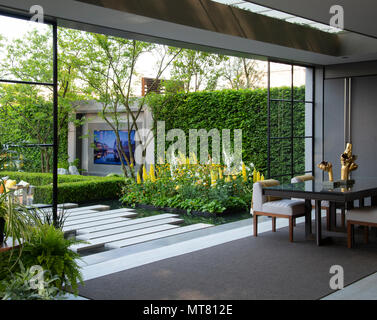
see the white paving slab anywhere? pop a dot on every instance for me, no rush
(97, 207)
(125, 223)
(100, 242)
(154, 236)
(125, 212)
(128, 228)
(92, 224)
(68, 205)
(94, 219)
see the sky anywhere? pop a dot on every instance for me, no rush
(15, 28)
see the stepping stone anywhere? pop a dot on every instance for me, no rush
(128, 228)
(99, 207)
(122, 212)
(68, 205)
(94, 218)
(100, 242)
(155, 236)
(126, 223)
(69, 229)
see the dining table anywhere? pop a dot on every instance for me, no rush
(345, 195)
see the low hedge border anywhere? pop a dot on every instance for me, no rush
(76, 189)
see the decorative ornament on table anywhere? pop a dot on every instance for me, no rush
(347, 160)
(327, 167)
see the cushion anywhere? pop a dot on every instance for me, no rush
(368, 215)
(306, 177)
(284, 207)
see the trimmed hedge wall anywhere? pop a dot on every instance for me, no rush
(246, 110)
(77, 189)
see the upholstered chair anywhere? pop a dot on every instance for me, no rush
(366, 217)
(275, 207)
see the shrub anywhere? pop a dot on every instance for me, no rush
(239, 109)
(48, 248)
(78, 189)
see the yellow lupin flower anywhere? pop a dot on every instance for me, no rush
(254, 175)
(258, 176)
(145, 173)
(138, 179)
(152, 174)
(244, 174)
(213, 178)
(221, 173)
(228, 179)
(262, 177)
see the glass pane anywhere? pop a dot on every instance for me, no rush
(280, 157)
(25, 122)
(25, 50)
(302, 155)
(299, 84)
(280, 81)
(280, 119)
(302, 119)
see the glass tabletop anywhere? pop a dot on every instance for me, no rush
(361, 184)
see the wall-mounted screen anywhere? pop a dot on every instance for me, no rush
(105, 149)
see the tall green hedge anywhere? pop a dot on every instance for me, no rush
(246, 110)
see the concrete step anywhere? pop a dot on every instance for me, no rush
(98, 207)
(128, 228)
(96, 218)
(154, 236)
(76, 227)
(68, 205)
(126, 223)
(100, 242)
(123, 212)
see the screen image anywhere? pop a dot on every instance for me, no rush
(105, 149)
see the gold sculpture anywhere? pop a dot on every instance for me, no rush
(327, 167)
(347, 159)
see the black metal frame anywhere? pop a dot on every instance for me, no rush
(292, 101)
(54, 85)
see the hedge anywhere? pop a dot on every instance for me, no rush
(246, 110)
(76, 189)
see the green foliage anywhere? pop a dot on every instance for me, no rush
(48, 248)
(190, 189)
(72, 188)
(241, 109)
(17, 287)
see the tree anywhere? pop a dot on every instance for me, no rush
(27, 109)
(108, 69)
(197, 69)
(242, 73)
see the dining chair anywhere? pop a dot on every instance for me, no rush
(274, 207)
(366, 217)
(325, 205)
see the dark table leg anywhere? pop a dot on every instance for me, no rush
(318, 222)
(332, 219)
(308, 218)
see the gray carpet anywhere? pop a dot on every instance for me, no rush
(266, 267)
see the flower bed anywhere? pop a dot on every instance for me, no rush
(201, 189)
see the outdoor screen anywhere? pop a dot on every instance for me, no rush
(105, 150)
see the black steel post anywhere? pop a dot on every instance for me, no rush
(55, 125)
(268, 120)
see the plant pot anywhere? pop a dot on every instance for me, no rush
(2, 226)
